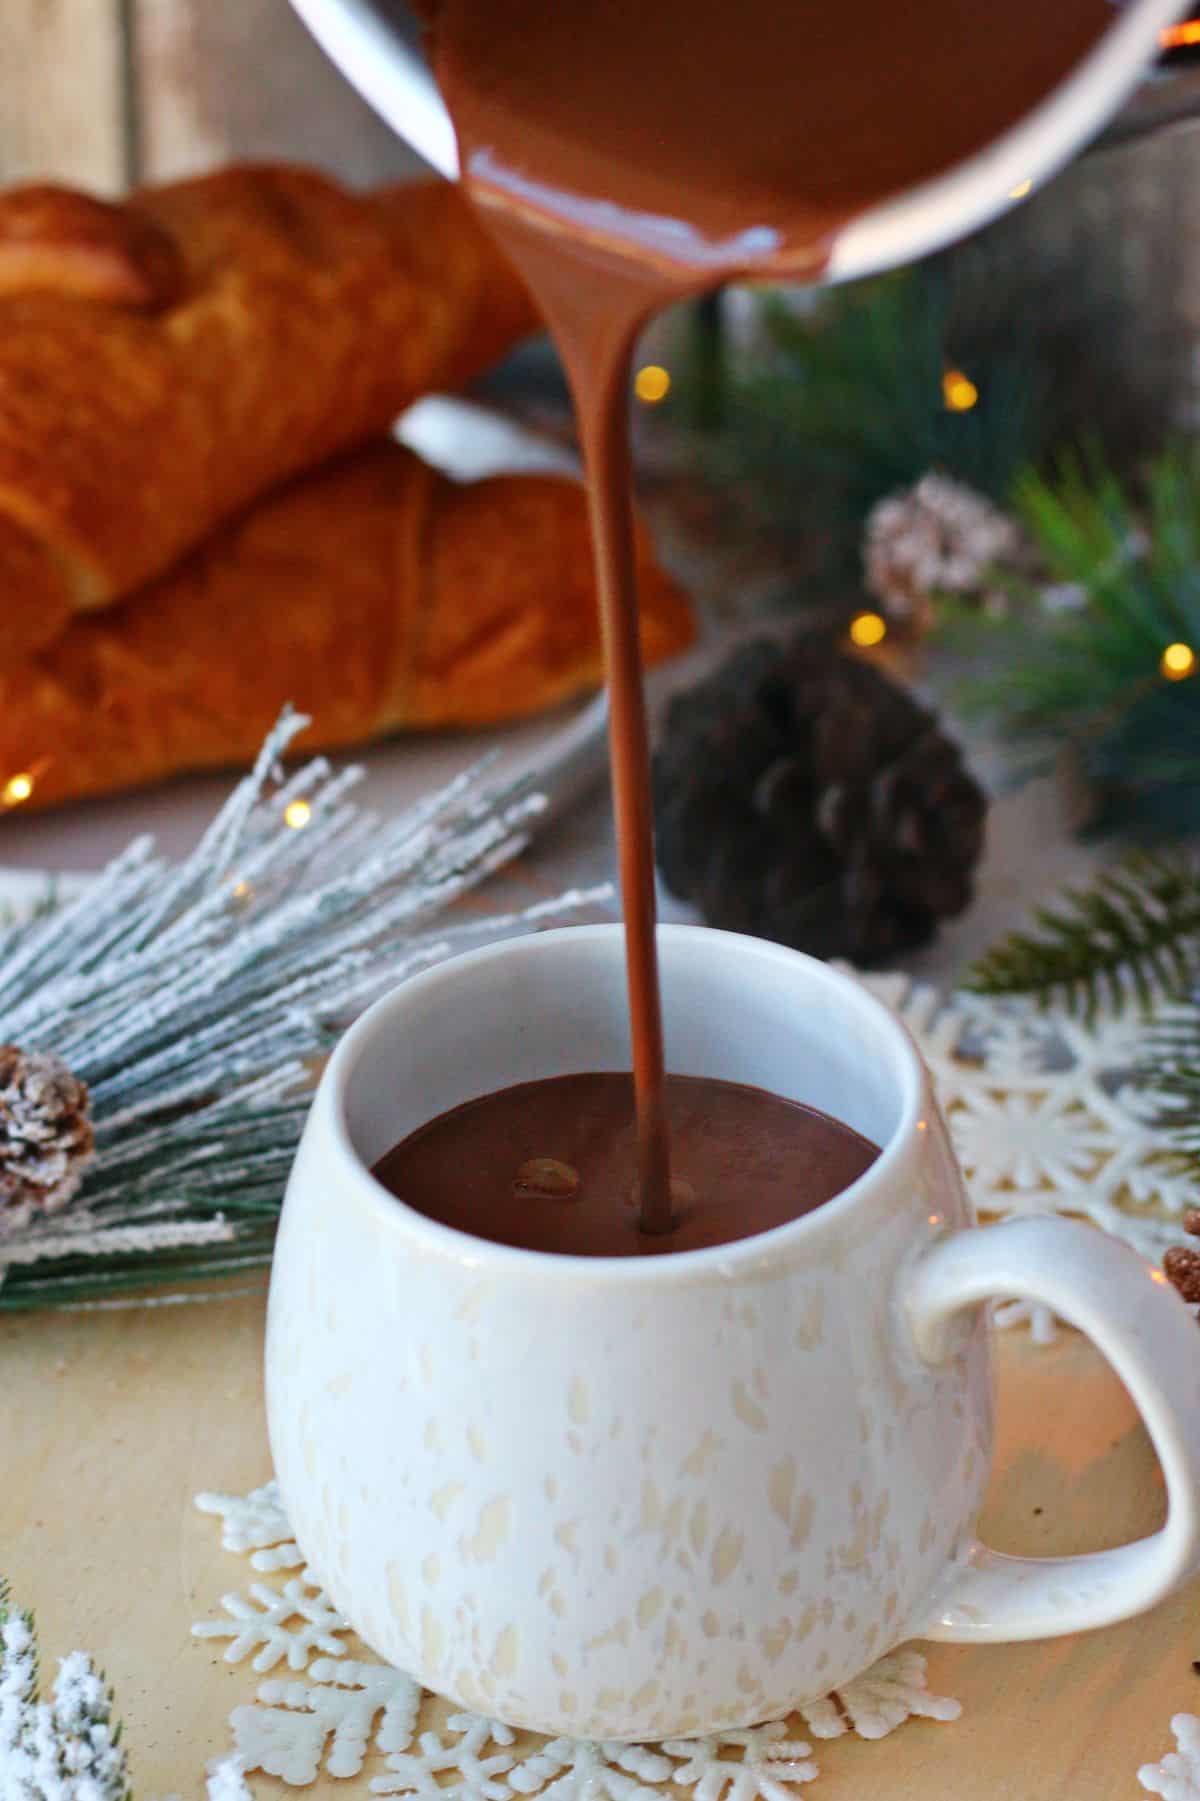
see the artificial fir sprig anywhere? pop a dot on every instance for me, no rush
(1134, 932)
(67, 1748)
(818, 408)
(1114, 674)
(62, 1749)
(1134, 935)
(842, 406)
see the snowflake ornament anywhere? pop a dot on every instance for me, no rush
(330, 1719)
(1177, 1777)
(262, 1622)
(476, 1777)
(257, 1523)
(579, 1769)
(766, 1764)
(874, 1704)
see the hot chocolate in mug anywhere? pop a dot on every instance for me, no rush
(639, 1498)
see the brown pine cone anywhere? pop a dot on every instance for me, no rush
(801, 795)
(45, 1135)
(1181, 1264)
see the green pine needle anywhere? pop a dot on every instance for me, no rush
(1091, 678)
(1136, 932)
(845, 405)
(1170, 1072)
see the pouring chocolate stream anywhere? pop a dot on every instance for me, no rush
(627, 155)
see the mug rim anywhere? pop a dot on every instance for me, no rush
(466, 1249)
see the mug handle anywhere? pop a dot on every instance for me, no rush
(1152, 1341)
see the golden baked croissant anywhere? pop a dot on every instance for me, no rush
(373, 594)
(165, 362)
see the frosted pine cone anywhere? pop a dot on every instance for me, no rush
(45, 1136)
(938, 537)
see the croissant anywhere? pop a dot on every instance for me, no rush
(165, 362)
(373, 594)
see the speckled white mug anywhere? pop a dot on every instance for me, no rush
(626, 1499)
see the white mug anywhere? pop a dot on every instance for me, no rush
(377, 47)
(623, 1498)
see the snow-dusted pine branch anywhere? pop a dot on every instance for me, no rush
(62, 1749)
(193, 999)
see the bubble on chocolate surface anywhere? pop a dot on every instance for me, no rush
(548, 1176)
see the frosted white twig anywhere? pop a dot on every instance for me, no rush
(85, 1239)
(193, 998)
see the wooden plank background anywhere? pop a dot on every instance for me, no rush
(108, 93)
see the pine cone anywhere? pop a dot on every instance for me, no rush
(800, 795)
(938, 537)
(45, 1136)
(1181, 1264)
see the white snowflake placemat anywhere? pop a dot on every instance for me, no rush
(1046, 1119)
(1177, 1777)
(342, 1713)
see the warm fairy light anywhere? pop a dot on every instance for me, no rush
(867, 629)
(652, 383)
(1022, 188)
(1178, 661)
(297, 814)
(1156, 1275)
(16, 789)
(959, 391)
(1178, 37)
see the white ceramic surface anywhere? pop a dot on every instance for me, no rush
(380, 59)
(625, 1499)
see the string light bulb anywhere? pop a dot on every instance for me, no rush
(652, 383)
(16, 789)
(958, 391)
(867, 629)
(1177, 662)
(1181, 36)
(297, 814)
(1022, 188)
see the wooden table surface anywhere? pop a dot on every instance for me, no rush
(111, 1422)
